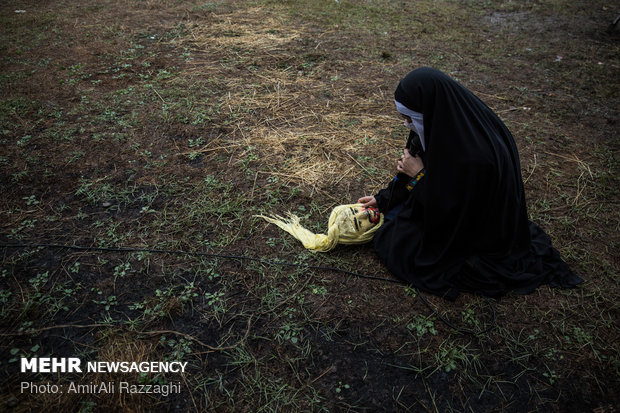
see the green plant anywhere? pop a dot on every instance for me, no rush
(31, 200)
(121, 269)
(340, 387)
(47, 296)
(216, 302)
(176, 349)
(108, 302)
(318, 290)
(5, 296)
(422, 325)
(469, 316)
(451, 356)
(289, 331)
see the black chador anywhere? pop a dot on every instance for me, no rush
(463, 224)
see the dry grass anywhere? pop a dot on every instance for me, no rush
(291, 113)
(116, 347)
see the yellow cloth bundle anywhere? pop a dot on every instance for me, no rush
(348, 224)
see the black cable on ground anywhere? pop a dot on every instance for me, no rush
(263, 261)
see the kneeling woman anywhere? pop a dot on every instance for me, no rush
(456, 216)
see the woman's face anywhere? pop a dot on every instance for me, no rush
(408, 122)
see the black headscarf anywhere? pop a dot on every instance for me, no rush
(464, 226)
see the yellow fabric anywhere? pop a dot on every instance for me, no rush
(348, 224)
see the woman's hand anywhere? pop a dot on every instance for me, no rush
(409, 165)
(368, 202)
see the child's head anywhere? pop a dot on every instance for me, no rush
(348, 224)
(353, 224)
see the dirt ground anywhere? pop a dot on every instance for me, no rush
(139, 140)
